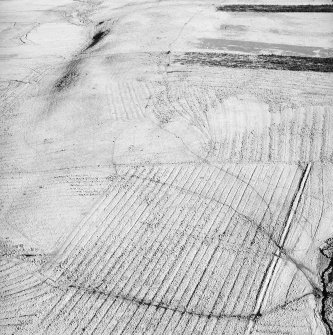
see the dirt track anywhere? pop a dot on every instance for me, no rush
(166, 167)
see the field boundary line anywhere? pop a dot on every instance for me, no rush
(262, 296)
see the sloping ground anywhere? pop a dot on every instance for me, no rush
(155, 183)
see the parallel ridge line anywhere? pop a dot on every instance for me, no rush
(110, 215)
(162, 267)
(68, 243)
(257, 256)
(132, 228)
(262, 296)
(196, 327)
(196, 300)
(173, 200)
(258, 264)
(218, 303)
(90, 269)
(212, 252)
(146, 190)
(169, 275)
(161, 330)
(80, 259)
(126, 100)
(104, 275)
(86, 226)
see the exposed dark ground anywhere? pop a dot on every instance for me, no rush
(277, 8)
(272, 62)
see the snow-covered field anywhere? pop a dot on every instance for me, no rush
(166, 167)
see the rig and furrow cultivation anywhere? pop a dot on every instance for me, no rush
(167, 252)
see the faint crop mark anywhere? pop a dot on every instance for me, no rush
(72, 70)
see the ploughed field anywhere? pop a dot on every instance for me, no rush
(166, 168)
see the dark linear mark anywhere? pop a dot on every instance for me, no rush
(326, 278)
(277, 8)
(270, 62)
(159, 305)
(270, 270)
(20, 81)
(70, 76)
(300, 188)
(31, 255)
(72, 72)
(97, 38)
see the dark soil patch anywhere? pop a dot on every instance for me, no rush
(272, 62)
(97, 38)
(277, 8)
(70, 76)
